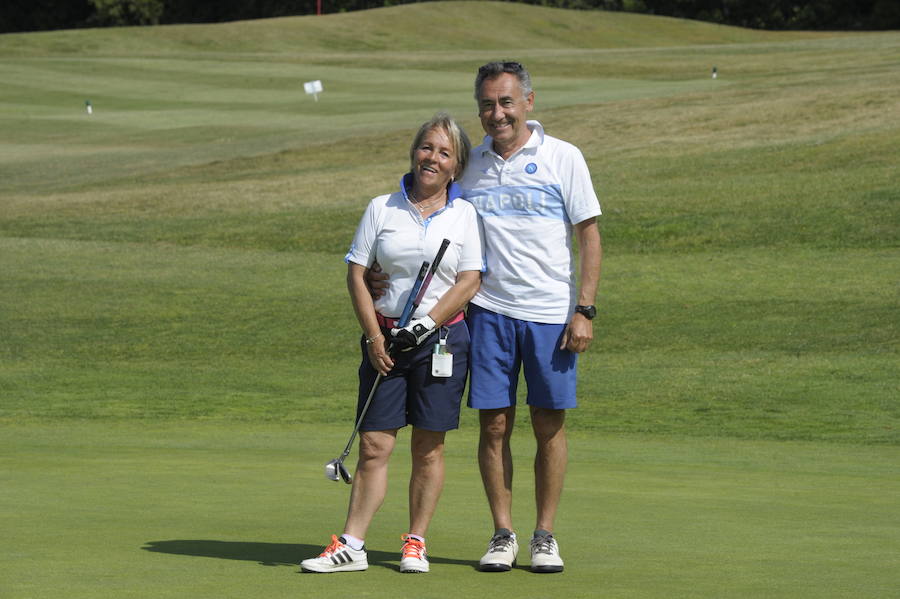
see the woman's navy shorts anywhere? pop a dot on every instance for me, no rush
(409, 394)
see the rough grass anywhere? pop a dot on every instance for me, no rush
(178, 253)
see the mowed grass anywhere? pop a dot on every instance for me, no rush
(227, 510)
(178, 354)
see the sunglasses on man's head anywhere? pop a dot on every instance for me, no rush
(508, 67)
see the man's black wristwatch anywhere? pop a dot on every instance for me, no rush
(588, 312)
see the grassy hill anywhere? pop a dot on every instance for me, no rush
(175, 253)
(435, 27)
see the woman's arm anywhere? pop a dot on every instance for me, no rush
(365, 314)
(456, 298)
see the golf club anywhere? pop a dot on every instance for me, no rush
(421, 291)
(335, 469)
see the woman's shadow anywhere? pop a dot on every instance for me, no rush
(274, 554)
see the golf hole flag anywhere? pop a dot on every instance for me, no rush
(314, 88)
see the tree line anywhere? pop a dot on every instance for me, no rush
(42, 15)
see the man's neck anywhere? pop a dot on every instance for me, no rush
(508, 150)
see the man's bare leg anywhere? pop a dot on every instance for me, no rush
(550, 463)
(495, 463)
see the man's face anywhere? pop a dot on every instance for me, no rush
(503, 108)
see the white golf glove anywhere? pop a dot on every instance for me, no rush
(413, 334)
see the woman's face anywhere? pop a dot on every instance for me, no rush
(434, 160)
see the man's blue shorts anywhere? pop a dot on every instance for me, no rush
(501, 346)
(409, 394)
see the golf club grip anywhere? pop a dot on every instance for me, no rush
(434, 266)
(411, 300)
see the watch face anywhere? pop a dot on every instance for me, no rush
(588, 311)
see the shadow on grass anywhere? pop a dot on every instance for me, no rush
(275, 554)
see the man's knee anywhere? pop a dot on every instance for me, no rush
(548, 424)
(496, 425)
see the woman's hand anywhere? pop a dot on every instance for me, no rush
(379, 357)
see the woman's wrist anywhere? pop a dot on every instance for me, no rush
(374, 338)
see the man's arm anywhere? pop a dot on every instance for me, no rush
(376, 281)
(580, 331)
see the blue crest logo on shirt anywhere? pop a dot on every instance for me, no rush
(530, 168)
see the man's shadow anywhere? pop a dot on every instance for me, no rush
(274, 554)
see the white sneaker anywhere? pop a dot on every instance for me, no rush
(337, 557)
(413, 558)
(501, 553)
(545, 555)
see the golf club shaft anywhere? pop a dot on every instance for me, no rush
(362, 414)
(407, 313)
(409, 308)
(434, 266)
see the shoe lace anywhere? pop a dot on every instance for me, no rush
(333, 547)
(412, 547)
(542, 544)
(500, 543)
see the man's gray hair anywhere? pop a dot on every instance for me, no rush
(495, 69)
(458, 139)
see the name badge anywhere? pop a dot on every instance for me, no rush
(442, 365)
(441, 359)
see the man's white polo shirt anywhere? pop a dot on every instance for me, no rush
(528, 204)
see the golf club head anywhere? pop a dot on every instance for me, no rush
(345, 474)
(331, 470)
(335, 470)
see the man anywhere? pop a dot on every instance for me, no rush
(533, 192)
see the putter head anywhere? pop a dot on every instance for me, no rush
(335, 470)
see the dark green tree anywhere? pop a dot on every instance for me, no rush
(42, 15)
(37, 15)
(126, 12)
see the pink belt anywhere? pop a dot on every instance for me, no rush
(391, 323)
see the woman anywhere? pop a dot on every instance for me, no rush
(401, 230)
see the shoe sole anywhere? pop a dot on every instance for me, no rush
(546, 569)
(414, 568)
(496, 567)
(353, 568)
